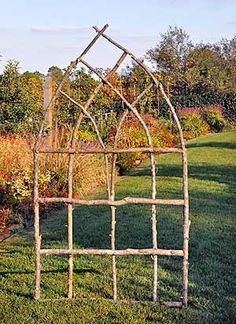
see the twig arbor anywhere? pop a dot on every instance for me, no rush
(72, 151)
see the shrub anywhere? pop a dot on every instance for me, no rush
(192, 122)
(86, 135)
(189, 111)
(16, 181)
(213, 115)
(133, 135)
(198, 121)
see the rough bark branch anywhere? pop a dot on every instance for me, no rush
(116, 203)
(156, 150)
(112, 252)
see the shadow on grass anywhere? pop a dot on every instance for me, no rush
(29, 296)
(64, 270)
(220, 174)
(223, 145)
(92, 224)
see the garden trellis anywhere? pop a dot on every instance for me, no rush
(108, 151)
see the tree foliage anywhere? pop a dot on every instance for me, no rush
(171, 54)
(20, 99)
(193, 75)
(196, 75)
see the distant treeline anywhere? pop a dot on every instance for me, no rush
(192, 74)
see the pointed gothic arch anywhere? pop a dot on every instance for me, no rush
(71, 150)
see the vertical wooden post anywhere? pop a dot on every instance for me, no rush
(70, 226)
(37, 228)
(154, 227)
(113, 209)
(55, 138)
(186, 226)
(158, 102)
(111, 196)
(47, 100)
(114, 272)
(170, 112)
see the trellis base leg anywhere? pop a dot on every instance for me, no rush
(37, 268)
(185, 264)
(155, 278)
(70, 247)
(37, 229)
(70, 276)
(186, 226)
(114, 278)
(154, 225)
(113, 227)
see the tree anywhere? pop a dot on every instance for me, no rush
(56, 73)
(20, 99)
(226, 49)
(171, 54)
(207, 67)
(11, 110)
(32, 98)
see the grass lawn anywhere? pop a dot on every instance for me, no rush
(212, 177)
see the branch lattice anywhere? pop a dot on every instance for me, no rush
(72, 151)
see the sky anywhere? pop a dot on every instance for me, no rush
(42, 33)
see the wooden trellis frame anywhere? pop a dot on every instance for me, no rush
(110, 185)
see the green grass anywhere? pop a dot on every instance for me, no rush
(212, 162)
